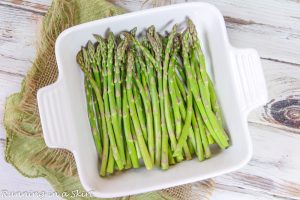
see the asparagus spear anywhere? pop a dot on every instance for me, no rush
(102, 109)
(80, 61)
(92, 118)
(206, 113)
(145, 51)
(120, 52)
(203, 74)
(139, 106)
(127, 130)
(183, 113)
(166, 99)
(202, 132)
(157, 51)
(133, 112)
(199, 147)
(134, 137)
(187, 123)
(140, 111)
(149, 117)
(93, 62)
(156, 111)
(111, 162)
(112, 99)
(215, 105)
(128, 160)
(177, 102)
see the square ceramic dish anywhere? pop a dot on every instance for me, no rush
(236, 73)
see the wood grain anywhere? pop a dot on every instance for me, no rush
(18, 36)
(35, 6)
(283, 81)
(273, 168)
(224, 192)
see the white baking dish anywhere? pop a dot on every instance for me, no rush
(236, 73)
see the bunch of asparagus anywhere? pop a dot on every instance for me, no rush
(150, 101)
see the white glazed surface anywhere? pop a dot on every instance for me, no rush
(63, 106)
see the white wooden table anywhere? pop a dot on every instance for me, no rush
(270, 26)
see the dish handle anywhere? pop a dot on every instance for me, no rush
(249, 79)
(53, 111)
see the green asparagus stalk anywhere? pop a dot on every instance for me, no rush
(111, 162)
(179, 102)
(187, 123)
(183, 113)
(134, 137)
(170, 126)
(133, 112)
(128, 135)
(128, 160)
(206, 113)
(203, 73)
(139, 104)
(120, 52)
(205, 98)
(170, 157)
(190, 146)
(103, 109)
(92, 118)
(207, 89)
(199, 147)
(93, 63)
(165, 137)
(93, 58)
(215, 105)
(156, 111)
(149, 117)
(209, 137)
(140, 111)
(112, 99)
(145, 51)
(82, 63)
(202, 132)
(175, 102)
(175, 107)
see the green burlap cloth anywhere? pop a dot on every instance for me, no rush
(25, 146)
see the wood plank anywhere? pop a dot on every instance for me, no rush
(18, 32)
(9, 83)
(274, 167)
(280, 13)
(13, 181)
(222, 192)
(283, 110)
(267, 40)
(36, 6)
